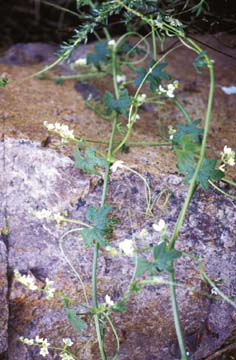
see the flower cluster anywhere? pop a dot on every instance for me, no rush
(141, 99)
(26, 280)
(29, 282)
(49, 289)
(227, 157)
(45, 345)
(63, 130)
(42, 343)
(169, 91)
(48, 215)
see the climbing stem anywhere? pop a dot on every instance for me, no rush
(184, 209)
(177, 322)
(103, 200)
(184, 111)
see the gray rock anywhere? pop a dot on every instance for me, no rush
(37, 178)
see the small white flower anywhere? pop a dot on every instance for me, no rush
(111, 250)
(43, 214)
(143, 233)
(81, 62)
(58, 218)
(27, 341)
(49, 289)
(120, 79)
(127, 247)
(214, 291)
(68, 341)
(65, 356)
(141, 99)
(228, 156)
(44, 351)
(118, 164)
(63, 130)
(28, 281)
(108, 301)
(222, 167)
(171, 131)
(111, 43)
(160, 227)
(38, 340)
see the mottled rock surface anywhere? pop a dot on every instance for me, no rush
(38, 178)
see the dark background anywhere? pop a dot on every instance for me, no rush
(32, 20)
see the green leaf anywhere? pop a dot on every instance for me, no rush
(155, 77)
(200, 62)
(89, 162)
(143, 266)
(164, 256)
(3, 82)
(100, 56)
(188, 129)
(207, 172)
(121, 105)
(75, 320)
(185, 152)
(101, 224)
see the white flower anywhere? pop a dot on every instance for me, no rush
(49, 289)
(65, 356)
(111, 250)
(214, 291)
(111, 43)
(68, 341)
(169, 91)
(228, 156)
(108, 301)
(118, 164)
(127, 247)
(28, 281)
(160, 227)
(81, 62)
(58, 218)
(171, 131)
(42, 214)
(26, 341)
(143, 233)
(63, 130)
(222, 167)
(48, 215)
(120, 79)
(44, 351)
(141, 99)
(38, 340)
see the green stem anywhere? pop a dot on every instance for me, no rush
(230, 182)
(184, 111)
(201, 157)
(185, 207)
(103, 199)
(154, 44)
(73, 76)
(176, 317)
